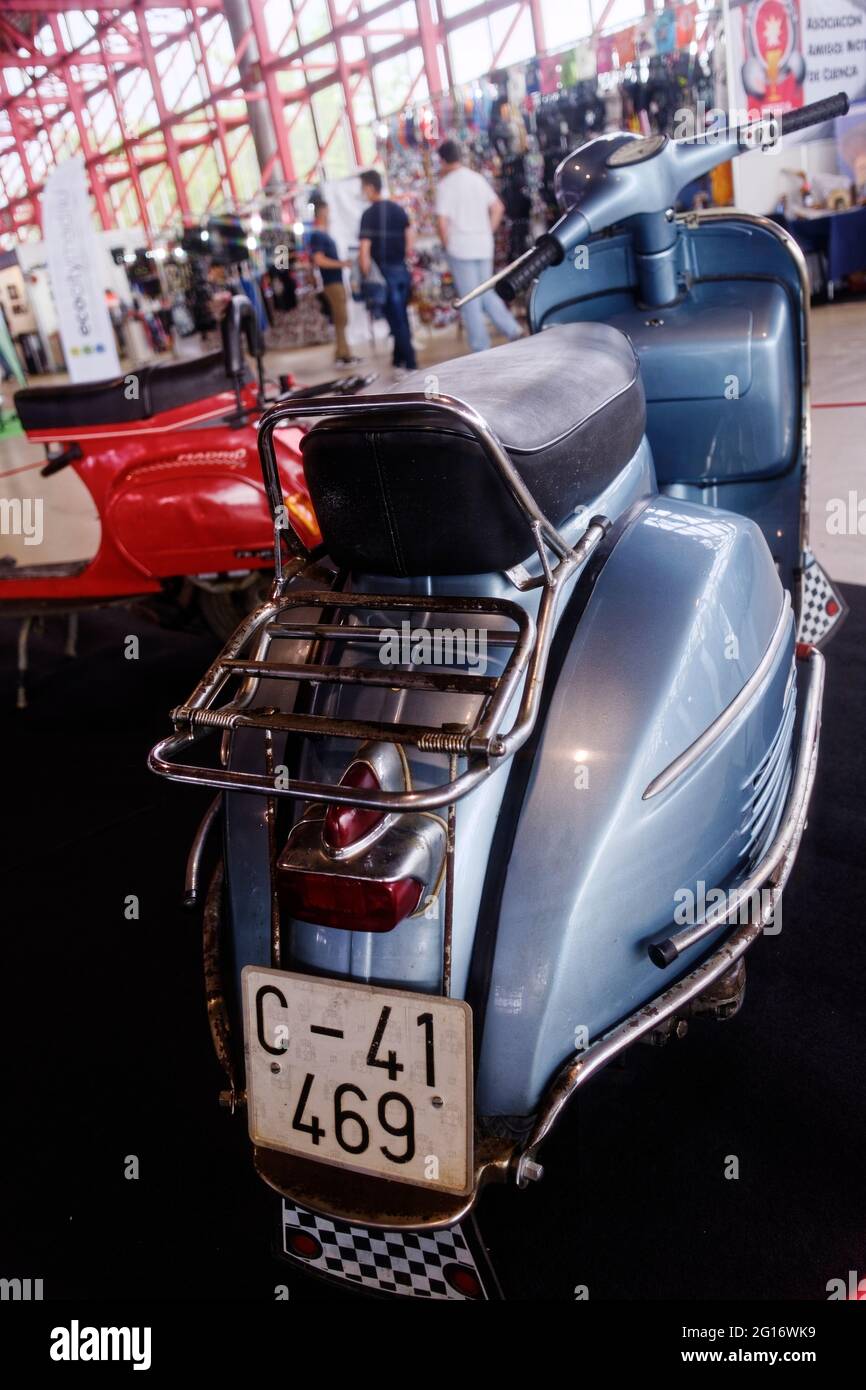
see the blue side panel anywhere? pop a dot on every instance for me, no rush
(680, 618)
(722, 368)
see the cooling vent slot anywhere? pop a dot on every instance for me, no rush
(767, 789)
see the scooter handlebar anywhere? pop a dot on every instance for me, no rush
(690, 159)
(619, 176)
(546, 251)
(56, 462)
(815, 113)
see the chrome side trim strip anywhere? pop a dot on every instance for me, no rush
(715, 730)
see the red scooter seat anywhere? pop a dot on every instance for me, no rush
(160, 387)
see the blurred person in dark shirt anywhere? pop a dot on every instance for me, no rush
(324, 254)
(387, 238)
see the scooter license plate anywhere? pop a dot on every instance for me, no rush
(375, 1080)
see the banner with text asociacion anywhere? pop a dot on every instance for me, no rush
(787, 53)
(73, 254)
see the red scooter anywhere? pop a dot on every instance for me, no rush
(169, 456)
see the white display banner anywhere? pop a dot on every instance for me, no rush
(346, 204)
(787, 53)
(88, 338)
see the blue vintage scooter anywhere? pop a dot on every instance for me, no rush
(513, 770)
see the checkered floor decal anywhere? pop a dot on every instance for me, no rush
(821, 607)
(438, 1264)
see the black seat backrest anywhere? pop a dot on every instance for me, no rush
(408, 497)
(412, 495)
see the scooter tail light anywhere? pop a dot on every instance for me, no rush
(352, 904)
(345, 825)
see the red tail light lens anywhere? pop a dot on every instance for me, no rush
(353, 904)
(346, 825)
(464, 1280)
(305, 1246)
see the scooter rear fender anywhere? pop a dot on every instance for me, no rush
(565, 869)
(680, 618)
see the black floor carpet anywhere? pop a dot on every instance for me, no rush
(107, 1053)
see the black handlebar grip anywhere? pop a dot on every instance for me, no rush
(546, 251)
(815, 113)
(663, 953)
(58, 461)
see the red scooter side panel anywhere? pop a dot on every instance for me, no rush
(174, 497)
(201, 508)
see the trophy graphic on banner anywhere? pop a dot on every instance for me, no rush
(772, 57)
(774, 68)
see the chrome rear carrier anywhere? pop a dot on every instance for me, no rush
(482, 743)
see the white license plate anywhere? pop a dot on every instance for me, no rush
(376, 1080)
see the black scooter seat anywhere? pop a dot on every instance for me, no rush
(414, 495)
(158, 387)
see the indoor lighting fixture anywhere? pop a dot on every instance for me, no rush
(256, 223)
(251, 243)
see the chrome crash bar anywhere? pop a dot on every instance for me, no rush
(483, 743)
(773, 871)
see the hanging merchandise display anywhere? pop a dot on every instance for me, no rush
(516, 125)
(666, 32)
(305, 324)
(584, 62)
(686, 17)
(624, 45)
(255, 252)
(645, 38)
(604, 54)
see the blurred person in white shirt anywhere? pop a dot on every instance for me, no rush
(468, 212)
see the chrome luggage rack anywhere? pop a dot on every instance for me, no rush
(482, 743)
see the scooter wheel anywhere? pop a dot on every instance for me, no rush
(224, 609)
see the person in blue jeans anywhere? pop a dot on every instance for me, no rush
(468, 213)
(387, 237)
